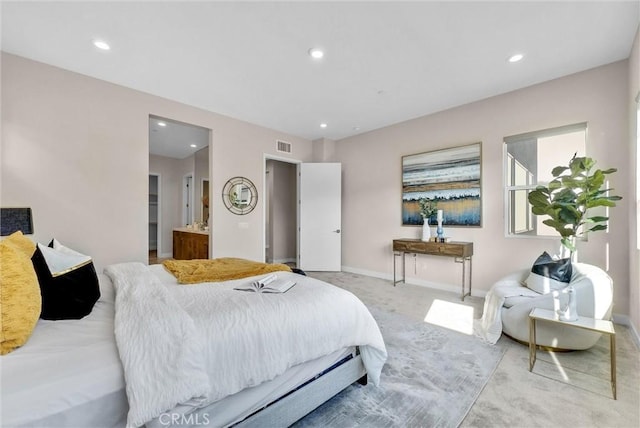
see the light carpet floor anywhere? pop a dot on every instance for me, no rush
(431, 378)
(565, 389)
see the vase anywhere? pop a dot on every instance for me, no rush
(565, 253)
(439, 229)
(569, 312)
(426, 230)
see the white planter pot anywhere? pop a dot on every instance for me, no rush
(426, 230)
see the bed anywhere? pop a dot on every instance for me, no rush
(195, 355)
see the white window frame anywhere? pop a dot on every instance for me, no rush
(511, 168)
(531, 185)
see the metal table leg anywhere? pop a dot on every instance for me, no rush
(402, 253)
(464, 260)
(464, 277)
(404, 273)
(612, 343)
(532, 342)
(470, 273)
(394, 267)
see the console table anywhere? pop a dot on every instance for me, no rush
(460, 251)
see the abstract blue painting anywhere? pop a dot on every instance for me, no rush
(450, 177)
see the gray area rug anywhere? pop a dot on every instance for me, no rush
(431, 379)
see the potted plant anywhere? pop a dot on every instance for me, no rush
(427, 210)
(574, 190)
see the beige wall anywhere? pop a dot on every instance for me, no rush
(634, 133)
(75, 149)
(324, 150)
(372, 179)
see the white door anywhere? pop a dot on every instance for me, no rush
(320, 196)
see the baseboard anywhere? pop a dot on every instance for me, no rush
(626, 321)
(414, 281)
(365, 272)
(282, 261)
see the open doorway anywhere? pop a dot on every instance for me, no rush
(179, 157)
(281, 214)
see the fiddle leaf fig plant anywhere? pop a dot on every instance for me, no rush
(574, 190)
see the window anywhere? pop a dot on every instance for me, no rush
(529, 159)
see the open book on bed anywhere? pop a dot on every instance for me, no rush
(268, 284)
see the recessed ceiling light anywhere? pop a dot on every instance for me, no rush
(356, 128)
(193, 145)
(162, 124)
(101, 44)
(316, 53)
(323, 125)
(516, 57)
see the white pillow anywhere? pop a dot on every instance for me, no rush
(61, 260)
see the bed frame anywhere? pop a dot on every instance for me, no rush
(297, 404)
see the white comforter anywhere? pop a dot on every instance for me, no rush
(196, 344)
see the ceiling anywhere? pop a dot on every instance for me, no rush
(175, 139)
(384, 63)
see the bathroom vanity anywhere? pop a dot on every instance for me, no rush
(190, 244)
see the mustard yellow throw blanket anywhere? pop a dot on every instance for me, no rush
(217, 270)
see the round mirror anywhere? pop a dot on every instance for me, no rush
(240, 195)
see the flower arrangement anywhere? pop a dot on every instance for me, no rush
(427, 207)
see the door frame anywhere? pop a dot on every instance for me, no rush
(201, 195)
(187, 195)
(266, 157)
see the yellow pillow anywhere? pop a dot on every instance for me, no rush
(20, 300)
(21, 243)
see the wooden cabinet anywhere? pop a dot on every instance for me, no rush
(190, 245)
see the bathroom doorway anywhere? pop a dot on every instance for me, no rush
(179, 156)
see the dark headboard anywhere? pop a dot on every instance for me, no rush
(14, 219)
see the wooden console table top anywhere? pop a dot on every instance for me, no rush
(450, 249)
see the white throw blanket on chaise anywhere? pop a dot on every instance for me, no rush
(196, 344)
(489, 327)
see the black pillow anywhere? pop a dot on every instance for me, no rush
(298, 271)
(548, 274)
(68, 282)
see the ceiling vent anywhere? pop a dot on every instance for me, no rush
(283, 146)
